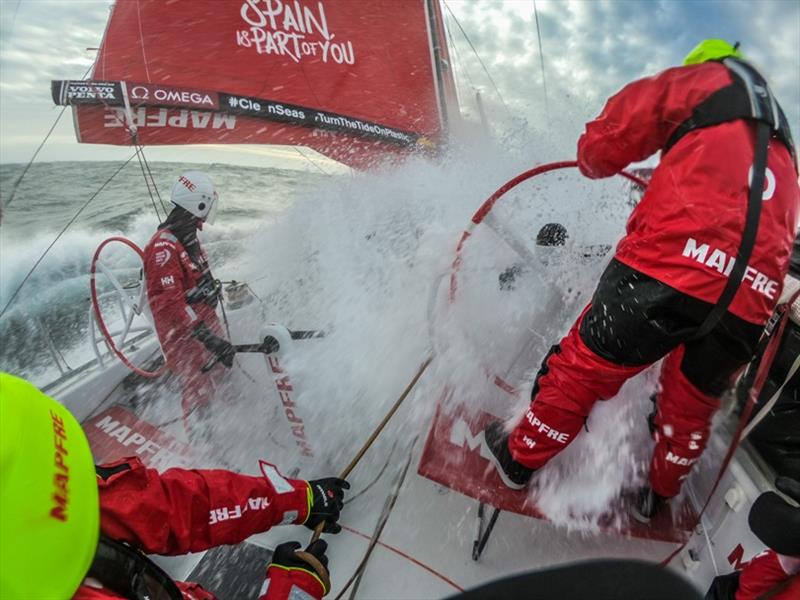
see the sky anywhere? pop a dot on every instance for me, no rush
(590, 49)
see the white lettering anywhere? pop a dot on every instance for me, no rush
(769, 182)
(121, 433)
(134, 438)
(461, 435)
(288, 29)
(165, 117)
(722, 263)
(222, 120)
(679, 460)
(559, 436)
(179, 120)
(717, 260)
(107, 424)
(692, 250)
(157, 119)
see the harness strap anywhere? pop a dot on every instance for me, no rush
(748, 241)
(130, 573)
(752, 99)
(747, 97)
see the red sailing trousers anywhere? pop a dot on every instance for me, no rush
(632, 322)
(575, 378)
(770, 575)
(173, 278)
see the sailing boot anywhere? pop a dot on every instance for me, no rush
(513, 474)
(647, 504)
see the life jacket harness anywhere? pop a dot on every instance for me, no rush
(747, 97)
(128, 572)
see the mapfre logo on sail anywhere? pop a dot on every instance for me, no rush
(167, 117)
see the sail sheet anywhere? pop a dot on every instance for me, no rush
(354, 80)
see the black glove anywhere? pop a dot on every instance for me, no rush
(218, 346)
(290, 566)
(284, 555)
(327, 503)
(775, 521)
(206, 291)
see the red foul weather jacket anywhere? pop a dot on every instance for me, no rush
(686, 230)
(770, 575)
(181, 511)
(172, 278)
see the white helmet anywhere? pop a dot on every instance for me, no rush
(195, 192)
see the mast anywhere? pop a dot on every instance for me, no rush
(431, 9)
(447, 94)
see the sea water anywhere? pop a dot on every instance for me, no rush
(367, 257)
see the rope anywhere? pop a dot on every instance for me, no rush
(457, 59)
(61, 233)
(153, 180)
(541, 61)
(139, 155)
(46, 137)
(382, 520)
(485, 70)
(313, 164)
(375, 433)
(375, 480)
(13, 21)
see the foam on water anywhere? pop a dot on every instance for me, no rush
(363, 256)
(367, 257)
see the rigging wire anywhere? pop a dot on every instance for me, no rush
(485, 70)
(62, 232)
(313, 164)
(13, 20)
(457, 56)
(153, 180)
(33, 158)
(541, 61)
(35, 154)
(139, 155)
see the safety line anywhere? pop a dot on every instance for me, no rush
(541, 61)
(485, 70)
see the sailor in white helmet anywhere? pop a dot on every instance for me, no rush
(183, 295)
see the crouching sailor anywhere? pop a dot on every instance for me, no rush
(73, 530)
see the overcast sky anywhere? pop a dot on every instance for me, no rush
(590, 50)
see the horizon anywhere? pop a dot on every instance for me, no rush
(589, 51)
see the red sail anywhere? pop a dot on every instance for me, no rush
(354, 80)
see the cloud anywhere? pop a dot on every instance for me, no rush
(591, 49)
